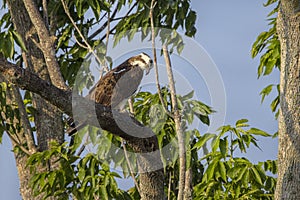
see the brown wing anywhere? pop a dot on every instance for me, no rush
(117, 85)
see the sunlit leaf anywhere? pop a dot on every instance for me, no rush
(203, 140)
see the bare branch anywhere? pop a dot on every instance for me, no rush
(14, 140)
(112, 19)
(130, 103)
(24, 120)
(130, 167)
(178, 126)
(169, 187)
(103, 26)
(89, 48)
(46, 44)
(153, 3)
(45, 13)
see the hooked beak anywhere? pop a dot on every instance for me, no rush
(150, 67)
(147, 71)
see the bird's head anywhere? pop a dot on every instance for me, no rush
(143, 61)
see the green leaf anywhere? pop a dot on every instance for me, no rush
(256, 176)
(266, 91)
(204, 119)
(180, 47)
(242, 123)
(223, 147)
(92, 130)
(256, 131)
(81, 173)
(211, 169)
(222, 169)
(274, 104)
(215, 144)
(245, 179)
(203, 140)
(19, 40)
(188, 96)
(241, 173)
(52, 178)
(8, 46)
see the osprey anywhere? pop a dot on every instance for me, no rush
(121, 82)
(117, 85)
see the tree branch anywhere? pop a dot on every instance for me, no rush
(153, 3)
(46, 44)
(103, 26)
(178, 125)
(24, 120)
(89, 48)
(18, 144)
(108, 119)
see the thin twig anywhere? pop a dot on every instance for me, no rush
(114, 28)
(169, 187)
(130, 166)
(80, 44)
(81, 35)
(129, 11)
(24, 120)
(130, 103)
(108, 29)
(153, 3)
(103, 26)
(107, 40)
(18, 144)
(178, 126)
(45, 13)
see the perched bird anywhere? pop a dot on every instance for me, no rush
(117, 85)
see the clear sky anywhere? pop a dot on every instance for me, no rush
(226, 30)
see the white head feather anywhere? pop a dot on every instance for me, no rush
(143, 61)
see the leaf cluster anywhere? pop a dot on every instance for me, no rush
(10, 122)
(229, 177)
(267, 43)
(79, 178)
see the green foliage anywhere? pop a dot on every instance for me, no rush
(9, 38)
(228, 177)
(267, 41)
(9, 113)
(168, 16)
(268, 44)
(3, 88)
(80, 178)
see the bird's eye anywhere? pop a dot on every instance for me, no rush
(151, 61)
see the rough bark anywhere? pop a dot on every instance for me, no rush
(21, 140)
(188, 187)
(47, 116)
(178, 126)
(288, 27)
(48, 119)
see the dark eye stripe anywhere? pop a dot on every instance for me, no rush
(142, 60)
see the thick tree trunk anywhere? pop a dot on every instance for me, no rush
(48, 119)
(288, 26)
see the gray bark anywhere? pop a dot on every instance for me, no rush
(48, 119)
(288, 27)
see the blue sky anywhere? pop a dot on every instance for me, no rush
(226, 30)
